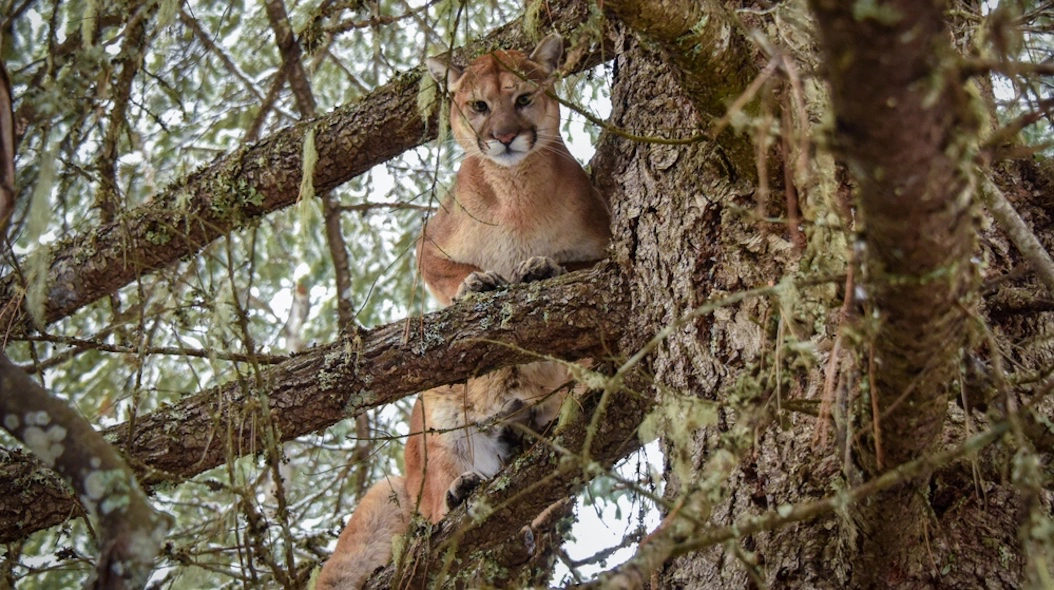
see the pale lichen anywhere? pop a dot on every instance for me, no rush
(45, 443)
(38, 418)
(308, 163)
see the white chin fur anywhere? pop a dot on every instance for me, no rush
(516, 152)
(507, 159)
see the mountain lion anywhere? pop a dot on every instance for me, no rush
(522, 209)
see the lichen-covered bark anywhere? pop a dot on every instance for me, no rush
(131, 533)
(710, 59)
(904, 128)
(664, 197)
(571, 317)
(684, 240)
(243, 185)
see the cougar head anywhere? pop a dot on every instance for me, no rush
(500, 110)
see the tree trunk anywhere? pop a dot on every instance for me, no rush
(685, 235)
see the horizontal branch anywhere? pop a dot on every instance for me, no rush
(247, 184)
(574, 316)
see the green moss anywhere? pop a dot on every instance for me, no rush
(158, 236)
(328, 380)
(532, 18)
(507, 311)
(359, 400)
(485, 569)
(884, 14)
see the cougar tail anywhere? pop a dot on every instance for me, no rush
(366, 543)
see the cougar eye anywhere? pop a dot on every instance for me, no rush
(523, 100)
(479, 106)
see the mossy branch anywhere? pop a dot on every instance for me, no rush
(574, 316)
(709, 55)
(131, 531)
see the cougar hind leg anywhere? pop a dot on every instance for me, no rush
(366, 542)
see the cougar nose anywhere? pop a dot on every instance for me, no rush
(505, 138)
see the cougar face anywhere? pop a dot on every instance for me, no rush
(500, 110)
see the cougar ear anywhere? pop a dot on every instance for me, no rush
(549, 52)
(443, 70)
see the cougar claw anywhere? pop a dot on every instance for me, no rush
(480, 282)
(537, 268)
(462, 487)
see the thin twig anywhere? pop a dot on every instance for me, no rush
(1022, 236)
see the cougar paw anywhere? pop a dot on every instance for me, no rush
(537, 268)
(514, 410)
(480, 282)
(462, 488)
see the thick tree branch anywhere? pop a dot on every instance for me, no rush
(131, 532)
(247, 184)
(709, 55)
(575, 316)
(904, 125)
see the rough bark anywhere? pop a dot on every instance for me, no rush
(685, 196)
(711, 60)
(574, 316)
(130, 531)
(785, 467)
(903, 126)
(245, 185)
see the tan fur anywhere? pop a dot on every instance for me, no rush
(499, 215)
(518, 195)
(434, 460)
(366, 543)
